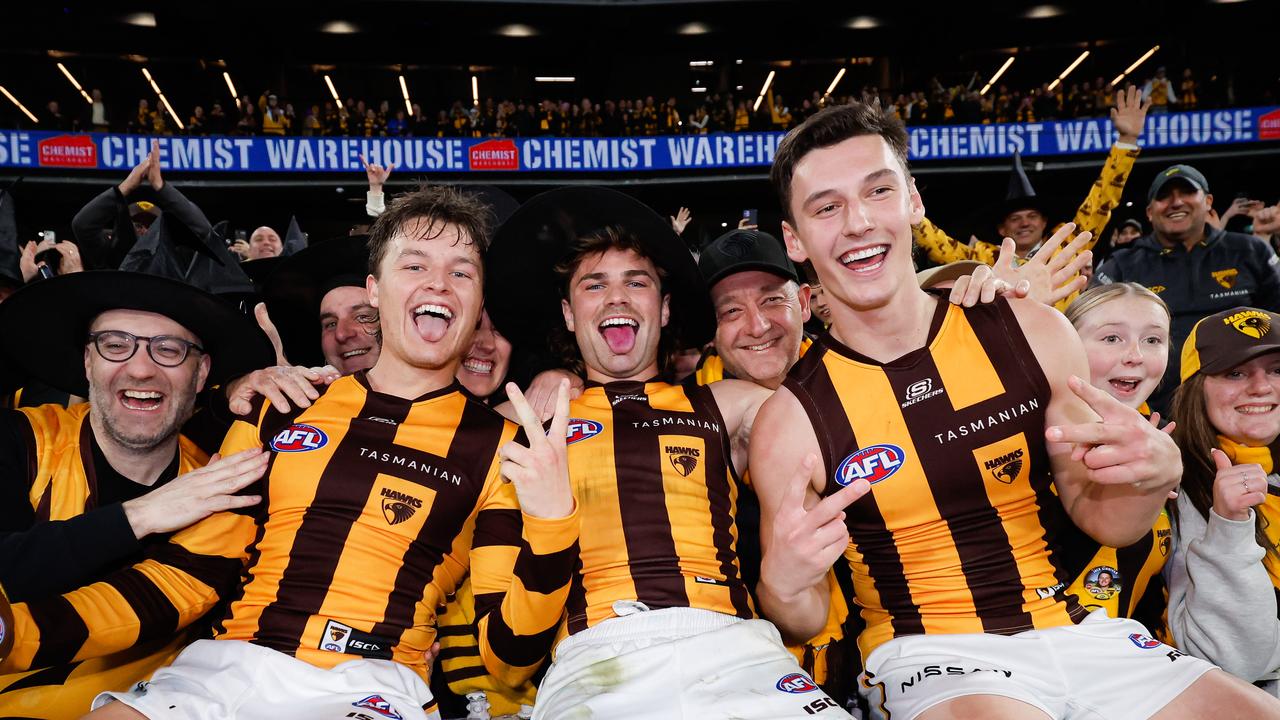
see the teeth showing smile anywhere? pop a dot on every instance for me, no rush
(439, 311)
(142, 395)
(626, 322)
(1176, 215)
(479, 367)
(145, 400)
(863, 254)
(1255, 409)
(354, 353)
(762, 346)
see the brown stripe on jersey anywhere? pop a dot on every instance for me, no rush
(518, 650)
(542, 573)
(497, 527)
(62, 631)
(157, 617)
(219, 573)
(720, 494)
(451, 653)
(642, 504)
(456, 630)
(1129, 561)
(345, 484)
(475, 442)
(453, 676)
(576, 604)
(817, 394)
(959, 490)
(486, 603)
(86, 461)
(254, 553)
(56, 675)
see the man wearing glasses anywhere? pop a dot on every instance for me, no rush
(88, 490)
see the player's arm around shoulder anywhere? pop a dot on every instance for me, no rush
(1112, 467)
(801, 535)
(739, 402)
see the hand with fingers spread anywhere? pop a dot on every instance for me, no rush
(1266, 220)
(1237, 488)
(982, 286)
(1052, 274)
(280, 385)
(540, 470)
(1129, 114)
(681, 220)
(804, 542)
(1123, 448)
(193, 496)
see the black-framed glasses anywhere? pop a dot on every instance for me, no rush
(119, 346)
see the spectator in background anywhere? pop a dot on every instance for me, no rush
(398, 125)
(1195, 268)
(53, 117)
(97, 119)
(248, 122)
(273, 119)
(1189, 87)
(1160, 90)
(263, 243)
(741, 117)
(698, 121)
(312, 124)
(142, 120)
(196, 123)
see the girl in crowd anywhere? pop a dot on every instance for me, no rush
(1225, 572)
(1125, 331)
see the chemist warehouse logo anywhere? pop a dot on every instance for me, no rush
(74, 151)
(494, 155)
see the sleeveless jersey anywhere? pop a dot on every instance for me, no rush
(959, 531)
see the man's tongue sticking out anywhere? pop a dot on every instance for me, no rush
(621, 338)
(431, 326)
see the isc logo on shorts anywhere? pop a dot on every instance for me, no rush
(380, 706)
(299, 438)
(796, 683)
(1144, 642)
(579, 430)
(873, 464)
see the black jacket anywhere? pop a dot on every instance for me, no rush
(1223, 271)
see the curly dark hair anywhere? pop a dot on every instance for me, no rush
(441, 205)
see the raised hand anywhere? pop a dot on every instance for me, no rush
(376, 173)
(539, 471)
(153, 167)
(269, 328)
(681, 220)
(982, 285)
(1052, 275)
(193, 496)
(1129, 114)
(805, 542)
(134, 180)
(1124, 448)
(1266, 221)
(1236, 488)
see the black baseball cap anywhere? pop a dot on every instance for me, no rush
(1135, 223)
(1224, 340)
(740, 250)
(1185, 173)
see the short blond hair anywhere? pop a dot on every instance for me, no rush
(1093, 298)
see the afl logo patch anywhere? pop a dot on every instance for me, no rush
(1144, 642)
(873, 464)
(299, 438)
(796, 683)
(579, 430)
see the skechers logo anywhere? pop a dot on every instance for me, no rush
(873, 464)
(299, 438)
(920, 391)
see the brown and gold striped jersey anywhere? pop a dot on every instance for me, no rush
(959, 531)
(376, 507)
(657, 495)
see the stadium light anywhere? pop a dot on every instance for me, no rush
(232, 87)
(1135, 64)
(177, 120)
(701, 63)
(697, 89)
(75, 84)
(21, 107)
(1067, 72)
(404, 91)
(767, 82)
(475, 91)
(996, 77)
(835, 82)
(332, 90)
(554, 78)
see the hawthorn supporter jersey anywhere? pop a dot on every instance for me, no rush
(958, 532)
(376, 506)
(650, 468)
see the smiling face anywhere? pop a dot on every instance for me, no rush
(485, 365)
(346, 322)
(759, 324)
(1127, 342)
(616, 311)
(139, 404)
(1179, 212)
(1244, 402)
(1026, 227)
(853, 207)
(428, 295)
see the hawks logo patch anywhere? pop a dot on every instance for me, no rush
(1226, 278)
(683, 459)
(1006, 467)
(299, 438)
(873, 464)
(579, 430)
(1157, 289)
(397, 506)
(335, 637)
(1253, 323)
(378, 705)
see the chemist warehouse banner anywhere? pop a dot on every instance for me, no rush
(97, 151)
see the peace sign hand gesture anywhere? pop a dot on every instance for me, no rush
(539, 471)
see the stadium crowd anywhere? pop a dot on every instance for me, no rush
(486, 458)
